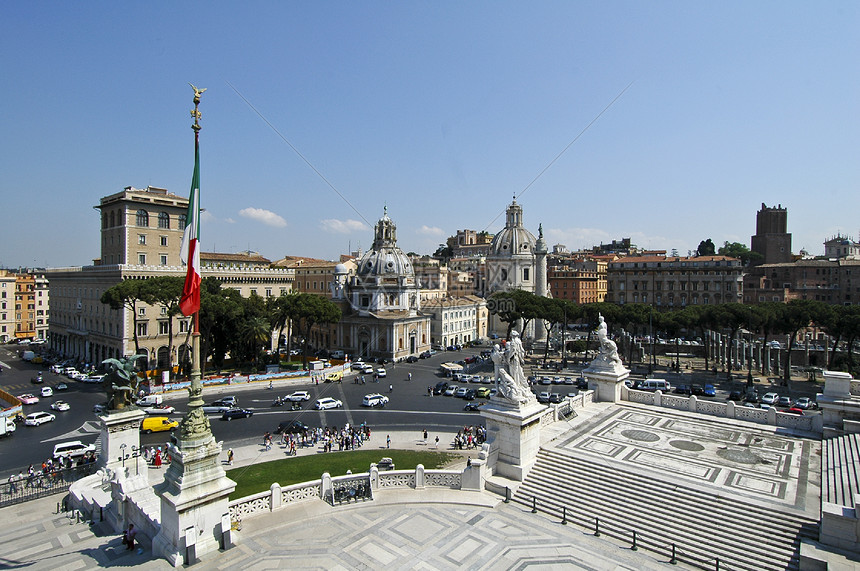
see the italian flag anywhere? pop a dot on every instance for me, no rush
(190, 251)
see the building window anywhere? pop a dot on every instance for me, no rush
(182, 220)
(163, 258)
(163, 220)
(526, 274)
(183, 326)
(141, 259)
(141, 311)
(142, 328)
(163, 327)
(143, 218)
(163, 241)
(141, 239)
(268, 292)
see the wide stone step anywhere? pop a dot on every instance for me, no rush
(643, 485)
(703, 525)
(659, 529)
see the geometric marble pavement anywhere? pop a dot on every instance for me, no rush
(740, 457)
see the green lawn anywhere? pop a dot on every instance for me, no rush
(287, 471)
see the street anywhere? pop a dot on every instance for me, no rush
(410, 407)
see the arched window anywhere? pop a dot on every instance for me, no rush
(112, 220)
(163, 220)
(182, 220)
(142, 218)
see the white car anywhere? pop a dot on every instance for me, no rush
(381, 372)
(374, 399)
(299, 396)
(461, 392)
(161, 409)
(47, 392)
(28, 398)
(60, 405)
(366, 368)
(37, 418)
(770, 398)
(326, 403)
(451, 390)
(358, 365)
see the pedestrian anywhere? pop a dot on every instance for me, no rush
(391, 388)
(425, 436)
(437, 442)
(230, 456)
(430, 391)
(129, 536)
(13, 487)
(409, 377)
(157, 460)
(387, 445)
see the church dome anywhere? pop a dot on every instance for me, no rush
(514, 239)
(385, 259)
(340, 269)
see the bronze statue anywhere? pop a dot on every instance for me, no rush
(120, 383)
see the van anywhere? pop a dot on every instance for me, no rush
(72, 449)
(340, 355)
(150, 400)
(157, 424)
(655, 385)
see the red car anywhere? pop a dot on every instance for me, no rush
(794, 410)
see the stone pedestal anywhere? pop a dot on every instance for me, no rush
(513, 435)
(606, 381)
(120, 436)
(193, 502)
(839, 410)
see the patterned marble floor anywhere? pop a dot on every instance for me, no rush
(753, 460)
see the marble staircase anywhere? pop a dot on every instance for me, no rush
(703, 525)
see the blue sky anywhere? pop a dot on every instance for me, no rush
(440, 110)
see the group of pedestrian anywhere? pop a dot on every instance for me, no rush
(470, 437)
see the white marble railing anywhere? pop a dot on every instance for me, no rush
(855, 388)
(811, 422)
(278, 497)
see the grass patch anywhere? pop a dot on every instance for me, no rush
(287, 471)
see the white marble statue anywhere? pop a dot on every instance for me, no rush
(608, 350)
(508, 367)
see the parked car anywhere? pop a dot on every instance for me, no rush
(804, 403)
(682, 390)
(60, 405)
(751, 396)
(440, 388)
(697, 390)
(374, 400)
(460, 392)
(554, 398)
(794, 410)
(450, 390)
(543, 397)
(470, 394)
(582, 383)
(326, 403)
(411, 359)
(736, 396)
(482, 392)
(709, 391)
(28, 398)
(291, 427)
(299, 396)
(237, 413)
(770, 398)
(37, 418)
(784, 401)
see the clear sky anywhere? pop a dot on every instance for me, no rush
(440, 110)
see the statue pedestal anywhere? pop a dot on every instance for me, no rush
(120, 436)
(195, 517)
(513, 433)
(606, 380)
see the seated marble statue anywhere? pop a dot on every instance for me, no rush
(608, 348)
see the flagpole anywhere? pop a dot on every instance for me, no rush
(195, 425)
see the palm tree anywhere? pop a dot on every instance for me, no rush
(255, 332)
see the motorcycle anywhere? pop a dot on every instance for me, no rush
(278, 402)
